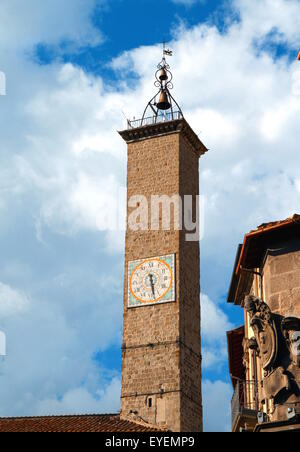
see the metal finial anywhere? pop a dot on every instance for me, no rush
(163, 105)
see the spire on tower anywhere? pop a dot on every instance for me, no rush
(163, 106)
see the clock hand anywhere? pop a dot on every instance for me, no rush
(152, 284)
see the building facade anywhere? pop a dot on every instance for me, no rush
(161, 352)
(264, 354)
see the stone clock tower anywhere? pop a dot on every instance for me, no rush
(161, 352)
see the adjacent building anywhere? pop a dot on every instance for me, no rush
(264, 354)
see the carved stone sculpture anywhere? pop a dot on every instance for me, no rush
(277, 344)
(263, 325)
(290, 327)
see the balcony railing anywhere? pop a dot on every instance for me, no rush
(245, 401)
(163, 117)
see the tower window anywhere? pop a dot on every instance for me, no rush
(150, 402)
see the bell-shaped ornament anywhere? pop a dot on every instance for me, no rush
(163, 76)
(163, 103)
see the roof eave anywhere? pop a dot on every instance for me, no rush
(131, 135)
(263, 230)
(234, 279)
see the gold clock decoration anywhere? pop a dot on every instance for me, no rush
(151, 281)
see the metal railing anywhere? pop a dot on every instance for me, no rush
(245, 399)
(163, 117)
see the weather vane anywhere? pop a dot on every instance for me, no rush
(167, 51)
(163, 105)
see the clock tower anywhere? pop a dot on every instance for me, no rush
(161, 350)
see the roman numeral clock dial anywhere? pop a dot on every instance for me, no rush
(151, 281)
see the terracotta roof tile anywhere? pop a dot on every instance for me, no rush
(274, 224)
(87, 423)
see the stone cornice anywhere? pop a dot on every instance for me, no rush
(164, 128)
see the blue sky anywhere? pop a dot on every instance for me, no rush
(71, 69)
(151, 21)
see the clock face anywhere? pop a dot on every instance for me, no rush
(151, 281)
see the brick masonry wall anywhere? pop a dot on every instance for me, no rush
(282, 281)
(191, 403)
(168, 369)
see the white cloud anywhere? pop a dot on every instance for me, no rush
(214, 322)
(267, 15)
(188, 3)
(185, 2)
(23, 24)
(216, 406)
(51, 349)
(214, 325)
(51, 153)
(81, 401)
(12, 302)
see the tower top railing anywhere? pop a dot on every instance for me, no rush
(163, 117)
